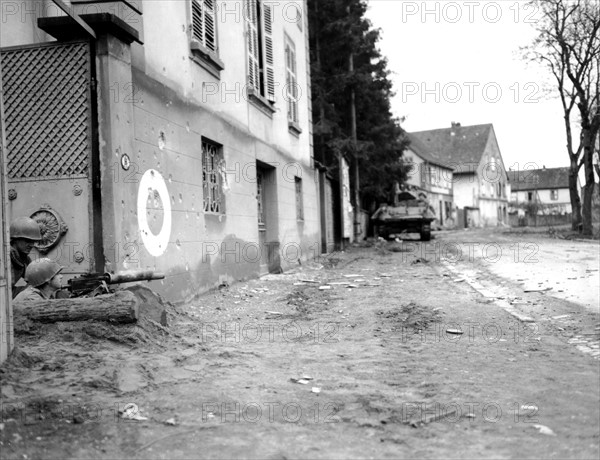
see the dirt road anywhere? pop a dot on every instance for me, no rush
(569, 269)
(413, 362)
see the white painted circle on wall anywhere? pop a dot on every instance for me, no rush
(152, 183)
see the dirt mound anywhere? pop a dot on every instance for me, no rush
(308, 300)
(412, 316)
(151, 326)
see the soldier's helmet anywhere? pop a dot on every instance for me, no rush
(41, 271)
(25, 227)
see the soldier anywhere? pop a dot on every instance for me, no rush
(43, 280)
(24, 232)
(382, 212)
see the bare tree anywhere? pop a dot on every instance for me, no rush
(568, 43)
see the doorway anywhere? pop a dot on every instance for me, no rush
(267, 218)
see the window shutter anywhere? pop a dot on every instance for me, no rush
(269, 71)
(197, 22)
(209, 25)
(288, 81)
(294, 85)
(253, 65)
(291, 82)
(203, 23)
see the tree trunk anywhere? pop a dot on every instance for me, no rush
(574, 194)
(120, 307)
(588, 191)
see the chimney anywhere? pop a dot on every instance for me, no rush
(455, 124)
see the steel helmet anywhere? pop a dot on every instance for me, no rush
(41, 271)
(25, 227)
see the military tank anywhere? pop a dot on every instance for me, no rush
(411, 213)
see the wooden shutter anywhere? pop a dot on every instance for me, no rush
(268, 70)
(294, 84)
(197, 21)
(288, 80)
(210, 32)
(252, 36)
(203, 23)
(291, 83)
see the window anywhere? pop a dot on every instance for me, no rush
(433, 177)
(261, 73)
(204, 33)
(554, 195)
(203, 24)
(291, 84)
(299, 203)
(529, 196)
(213, 168)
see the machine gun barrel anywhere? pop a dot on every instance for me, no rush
(87, 283)
(134, 275)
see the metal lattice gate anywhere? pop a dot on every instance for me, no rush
(48, 117)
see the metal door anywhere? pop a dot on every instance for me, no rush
(48, 100)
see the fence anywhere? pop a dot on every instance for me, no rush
(545, 220)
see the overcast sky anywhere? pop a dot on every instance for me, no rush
(460, 61)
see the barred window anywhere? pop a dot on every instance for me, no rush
(213, 167)
(299, 203)
(259, 199)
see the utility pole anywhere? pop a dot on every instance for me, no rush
(355, 146)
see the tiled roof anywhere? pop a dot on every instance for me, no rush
(539, 179)
(421, 150)
(455, 145)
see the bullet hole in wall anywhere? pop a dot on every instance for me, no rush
(162, 140)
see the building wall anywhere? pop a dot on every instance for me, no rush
(466, 190)
(19, 21)
(562, 204)
(438, 183)
(413, 177)
(493, 201)
(156, 104)
(485, 187)
(178, 103)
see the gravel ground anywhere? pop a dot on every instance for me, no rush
(397, 358)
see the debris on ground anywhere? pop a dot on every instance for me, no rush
(543, 429)
(537, 289)
(412, 316)
(419, 260)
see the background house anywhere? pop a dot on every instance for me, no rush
(173, 136)
(429, 173)
(479, 177)
(547, 187)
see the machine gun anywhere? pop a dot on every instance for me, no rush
(93, 284)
